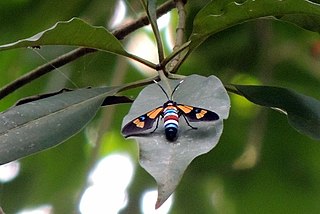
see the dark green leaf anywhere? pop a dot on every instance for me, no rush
(219, 15)
(75, 33)
(308, 22)
(111, 100)
(303, 112)
(40, 96)
(41, 124)
(167, 161)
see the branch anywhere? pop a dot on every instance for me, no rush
(176, 61)
(181, 24)
(150, 8)
(120, 34)
(43, 69)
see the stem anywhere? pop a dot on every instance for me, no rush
(150, 8)
(181, 25)
(176, 76)
(164, 79)
(120, 34)
(143, 21)
(175, 53)
(174, 65)
(143, 61)
(138, 83)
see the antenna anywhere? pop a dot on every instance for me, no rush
(175, 88)
(162, 89)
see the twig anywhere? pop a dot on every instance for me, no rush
(132, 26)
(181, 25)
(150, 8)
(180, 38)
(79, 52)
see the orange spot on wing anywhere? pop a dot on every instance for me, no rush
(201, 114)
(139, 124)
(154, 113)
(185, 109)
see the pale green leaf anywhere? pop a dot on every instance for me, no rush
(167, 161)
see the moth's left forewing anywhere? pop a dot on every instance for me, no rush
(142, 123)
(195, 114)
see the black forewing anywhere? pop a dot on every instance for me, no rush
(195, 114)
(142, 123)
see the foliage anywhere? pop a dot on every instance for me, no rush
(239, 52)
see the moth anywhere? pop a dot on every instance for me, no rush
(170, 112)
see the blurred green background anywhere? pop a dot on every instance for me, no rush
(261, 164)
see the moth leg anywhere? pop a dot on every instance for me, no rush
(156, 125)
(188, 122)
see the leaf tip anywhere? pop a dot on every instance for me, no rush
(158, 203)
(161, 199)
